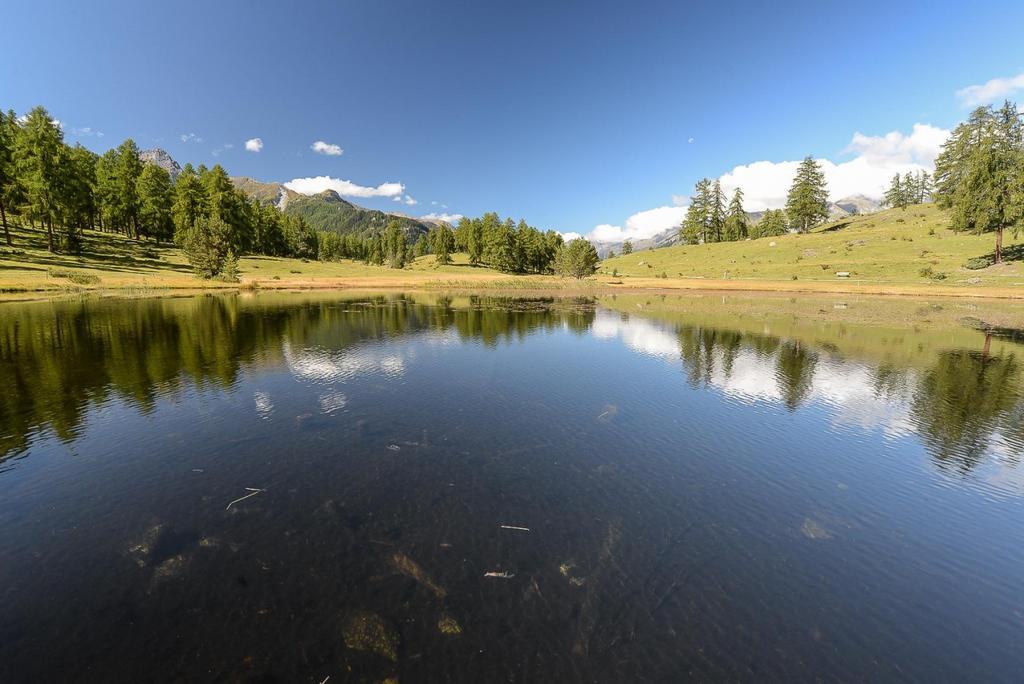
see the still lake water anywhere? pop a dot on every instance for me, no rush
(712, 487)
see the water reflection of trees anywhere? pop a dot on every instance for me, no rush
(962, 400)
(958, 404)
(58, 358)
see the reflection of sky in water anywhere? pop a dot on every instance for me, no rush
(846, 391)
(316, 364)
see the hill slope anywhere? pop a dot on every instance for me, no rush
(894, 246)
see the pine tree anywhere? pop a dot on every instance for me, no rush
(577, 259)
(627, 248)
(189, 203)
(442, 242)
(716, 213)
(156, 201)
(394, 245)
(896, 195)
(694, 229)
(979, 174)
(807, 203)
(924, 187)
(207, 245)
(772, 224)
(8, 172)
(78, 191)
(736, 227)
(128, 170)
(39, 153)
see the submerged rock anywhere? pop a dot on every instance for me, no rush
(140, 552)
(410, 568)
(170, 568)
(449, 625)
(566, 570)
(366, 631)
(812, 530)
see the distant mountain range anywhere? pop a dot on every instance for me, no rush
(327, 210)
(847, 206)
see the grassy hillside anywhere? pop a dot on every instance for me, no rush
(912, 246)
(115, 262)
(329, 212)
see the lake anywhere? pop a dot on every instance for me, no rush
(430, 487)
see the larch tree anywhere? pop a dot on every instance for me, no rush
(807, 203)
(8, 172)
(156, 202)
(128, 170)
(39, 155)
(189, 203)
(736, 227)
(896, 195)
(979, 174)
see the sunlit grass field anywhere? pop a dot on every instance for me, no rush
(909, 251)
(912, 246)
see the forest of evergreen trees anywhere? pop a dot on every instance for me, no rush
(65, 190)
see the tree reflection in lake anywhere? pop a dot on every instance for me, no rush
(58, 358)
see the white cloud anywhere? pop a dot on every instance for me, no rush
(254, 144)
(643, 224)
(410, 201)
(765, 184)
(190, 138)
(433, 202)
(223, 148)
(396, 199)
(570, 236)
(86, 132)
(447, 218)
(689, 141)
(990, 91)
(311, 186)
(331, 150)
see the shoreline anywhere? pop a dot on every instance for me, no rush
(520, 284)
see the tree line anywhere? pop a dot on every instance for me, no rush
(710, 219)
(910, 188)
(69, 189)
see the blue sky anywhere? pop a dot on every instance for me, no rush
(594, 118)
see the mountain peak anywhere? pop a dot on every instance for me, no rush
(161, 158)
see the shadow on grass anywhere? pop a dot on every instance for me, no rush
(101, 252)
(838, 226)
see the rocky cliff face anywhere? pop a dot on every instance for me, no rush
(163, 160)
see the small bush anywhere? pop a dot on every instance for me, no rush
(900, 220)
(794, 277)
(926, 272)
(977, 263)
(293, 270)
(76, 278)
(931, 231)
(826, 267)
